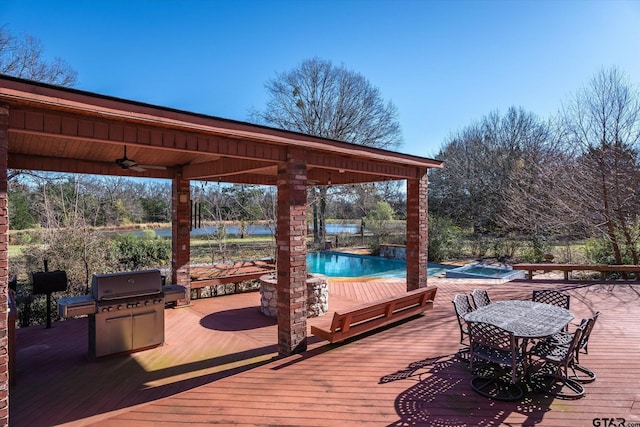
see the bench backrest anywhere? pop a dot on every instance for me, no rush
(384, 308)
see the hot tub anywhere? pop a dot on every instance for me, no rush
(480, 271)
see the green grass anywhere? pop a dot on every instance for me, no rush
(198, 242)
(16, 250)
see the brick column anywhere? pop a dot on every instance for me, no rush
(291, 235)
(4, 268)
(180, 235)
(417, 232)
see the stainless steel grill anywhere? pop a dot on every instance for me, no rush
(126, 311)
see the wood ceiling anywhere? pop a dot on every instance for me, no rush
(65, 130)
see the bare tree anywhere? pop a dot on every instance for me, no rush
(24, 57)
(321, 99)
(601, 127)
(480, 162)
(70, 240)
(585, 181)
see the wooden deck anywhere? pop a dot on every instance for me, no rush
(219, 365)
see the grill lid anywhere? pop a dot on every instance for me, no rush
(126, 284)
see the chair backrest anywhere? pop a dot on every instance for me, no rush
(491, 336)
(569, 352)
(587, 325)
(480, 297)
(462, 305)
(486, 335)
(552, 297)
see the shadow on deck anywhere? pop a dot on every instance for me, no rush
(219, 364)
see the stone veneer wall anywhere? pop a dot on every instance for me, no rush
(393, 251)
(317, 295)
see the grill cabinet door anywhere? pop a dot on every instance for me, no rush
(148, 327)
(117, 337)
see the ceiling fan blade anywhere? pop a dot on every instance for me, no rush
(127, 163)
(162, 168)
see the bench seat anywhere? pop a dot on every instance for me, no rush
(375, 315)
(567, 268)
(221, 274)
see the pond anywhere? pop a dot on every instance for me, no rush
(256, 230)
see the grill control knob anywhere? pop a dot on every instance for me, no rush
(119, 306)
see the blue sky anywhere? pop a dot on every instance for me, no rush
(444, 64)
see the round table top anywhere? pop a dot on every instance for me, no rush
(526, 319)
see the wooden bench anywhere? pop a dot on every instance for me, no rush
(221, 274)
(568, 268)
(198, 285)
(377, 314)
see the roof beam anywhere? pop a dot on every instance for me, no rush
(227, 167)
(366, 166)
(113, 132)
(64, 165)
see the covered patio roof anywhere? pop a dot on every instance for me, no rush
(65, 130)
(50, 128)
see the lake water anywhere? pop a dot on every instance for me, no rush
(257, 230)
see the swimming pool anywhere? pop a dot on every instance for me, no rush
(338, 264)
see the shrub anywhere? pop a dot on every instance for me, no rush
(600, 251)
(135, 253)
(535, 249)
(444, 239)
(379, 222)
(479, 246)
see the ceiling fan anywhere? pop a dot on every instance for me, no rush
(127, 163)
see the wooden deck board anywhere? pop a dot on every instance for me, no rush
(219, 365)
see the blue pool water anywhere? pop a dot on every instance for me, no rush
(477, 271)
(337, 264)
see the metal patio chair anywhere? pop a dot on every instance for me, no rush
(480, 298)
(552, 297)
(565, 338)
(497, 379)
(462, 306)
(553, 377)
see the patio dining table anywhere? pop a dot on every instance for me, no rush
(526, 319)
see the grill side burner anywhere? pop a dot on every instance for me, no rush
(76, 306)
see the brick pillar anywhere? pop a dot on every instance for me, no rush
(417, 232)
(180, 235)
(291, 235)
(4, 268)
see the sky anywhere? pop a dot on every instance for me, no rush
(444, 64)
